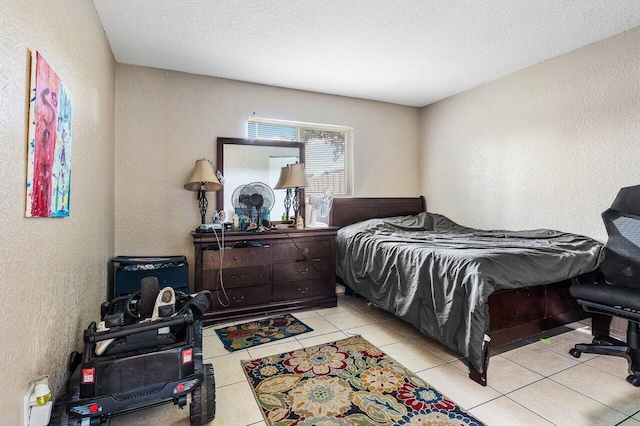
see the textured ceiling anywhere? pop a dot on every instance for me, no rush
(409, 52)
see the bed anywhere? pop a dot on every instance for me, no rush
(469, 289)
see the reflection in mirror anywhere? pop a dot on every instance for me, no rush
(244, 164)
(246, 161)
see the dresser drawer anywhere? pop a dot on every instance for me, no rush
(301, 289)
(302, 249)
(244, 296)
(238, 257)
(237, 277)
(293, 271)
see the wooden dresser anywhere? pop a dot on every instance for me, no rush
(266, 272)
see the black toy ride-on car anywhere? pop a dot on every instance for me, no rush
(146, 351)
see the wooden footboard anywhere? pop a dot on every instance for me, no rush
(520, 313)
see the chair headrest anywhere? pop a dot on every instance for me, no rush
(628, 200)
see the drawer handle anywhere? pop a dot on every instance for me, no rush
(237, 300)
(306, 289)
(241, 276)
(239, 260)
(303, 271)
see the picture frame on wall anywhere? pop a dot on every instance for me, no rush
(48, 185)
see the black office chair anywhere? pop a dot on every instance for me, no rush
(617, 292)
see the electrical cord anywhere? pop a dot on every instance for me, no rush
(221, 249)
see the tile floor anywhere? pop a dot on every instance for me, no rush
(532, 383)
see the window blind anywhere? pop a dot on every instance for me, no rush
(327, 150)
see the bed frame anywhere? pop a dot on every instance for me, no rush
(514, 314)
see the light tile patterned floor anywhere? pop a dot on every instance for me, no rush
(533, 383)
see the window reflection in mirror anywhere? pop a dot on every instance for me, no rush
(244, 164)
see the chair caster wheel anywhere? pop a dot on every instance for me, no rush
(634, 380)
(575, 352)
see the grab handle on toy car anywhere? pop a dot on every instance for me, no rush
(97, 336)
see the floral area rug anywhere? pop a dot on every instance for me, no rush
(348, 382)
(255, 333)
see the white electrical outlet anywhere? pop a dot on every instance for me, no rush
(25, 405)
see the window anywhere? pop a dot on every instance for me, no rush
(327, 150)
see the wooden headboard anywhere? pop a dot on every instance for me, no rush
(346, 211)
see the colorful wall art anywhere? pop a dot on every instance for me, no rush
(49, 149)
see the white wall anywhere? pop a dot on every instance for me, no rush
(166, 120)
(546, 147)
(54, 270)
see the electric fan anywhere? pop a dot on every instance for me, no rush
(239, 205)
(255, 200)
(320, 205)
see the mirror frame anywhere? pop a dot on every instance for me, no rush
(222, 142)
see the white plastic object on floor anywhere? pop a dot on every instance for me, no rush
(40, 414)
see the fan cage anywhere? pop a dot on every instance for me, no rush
(253, 200)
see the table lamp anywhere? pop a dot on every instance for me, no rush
(284, 172)
(203, 179)
(293, 177)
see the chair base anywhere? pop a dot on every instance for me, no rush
(607, 345)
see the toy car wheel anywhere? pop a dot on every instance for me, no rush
(197, 343)
(59, 415)
(203, 399)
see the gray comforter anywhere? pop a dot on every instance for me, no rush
(438, 275)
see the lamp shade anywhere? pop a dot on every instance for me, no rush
(284, 172)
(296, 177)
(203, 174)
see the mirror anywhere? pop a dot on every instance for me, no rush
(242, 161)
